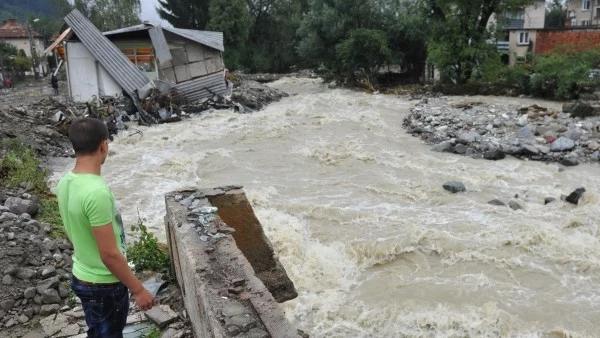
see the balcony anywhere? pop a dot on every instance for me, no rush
(503, 46)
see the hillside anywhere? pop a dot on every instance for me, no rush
(20, 9)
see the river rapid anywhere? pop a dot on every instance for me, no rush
(356, 211)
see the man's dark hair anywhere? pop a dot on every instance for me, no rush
(86, 135)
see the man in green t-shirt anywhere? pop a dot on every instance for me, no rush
(101, 276)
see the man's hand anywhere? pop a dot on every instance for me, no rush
(143, 299)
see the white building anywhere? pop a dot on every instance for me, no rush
(583, 13)
(17, 35)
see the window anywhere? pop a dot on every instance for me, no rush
(586, 5)
(516, 14)
(585, 22)
(597, 12)
(573, 22)
(143, 58)
(597, 2)
(523, 38)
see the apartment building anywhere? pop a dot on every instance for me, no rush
(583, 13)
(520, 31)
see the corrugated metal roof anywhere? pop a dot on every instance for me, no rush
(135, 28)
(204, 87)
(210, 39)
(159, 42)
(127, 75)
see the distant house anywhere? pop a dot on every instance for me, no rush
(583, 13)
(136, 59)
(17, 35)
(519, 28)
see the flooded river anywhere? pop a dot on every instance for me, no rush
(357, 214)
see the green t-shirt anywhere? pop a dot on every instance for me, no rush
(85, 201)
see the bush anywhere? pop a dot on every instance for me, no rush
(19, 164)
(366, 50)
(583, 110)
(147, 253)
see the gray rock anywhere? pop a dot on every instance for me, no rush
(29, 292)
(575, 196)
(467, 137)
(7, 280)
(460, 149)
(526, 133)
(20, 206)
(23, 319)
(244, 322)
(63, 290)
(173, 333)
(529, 150)
(562, 144)
(50, 296)
(29, 312)
(37, 299)
(7, 304)
(569, 162)
(48, 271)
(442, 147)
(549, 200)
(10, 236)
(162, 315)
(497, 202)
(515, 205)
(574, 134)
(25, 273)
(10, 323)
(494, 155)
(543, 149)
(593, 145)
(46, 284)
(454, 187)
(49, 309)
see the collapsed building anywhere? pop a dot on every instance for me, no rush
(140, 61)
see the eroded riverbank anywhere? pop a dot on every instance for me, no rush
(356, 211)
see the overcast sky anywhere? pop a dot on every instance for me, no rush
(149, 11)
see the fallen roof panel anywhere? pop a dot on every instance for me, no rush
(57, 41)
(159, 42)
(210, 39)
(204, 87)
(127, 75)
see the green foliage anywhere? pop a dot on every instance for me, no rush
(563, 75)
(20, 164)
(191, 14)
(459, 44)
(583, 110)
(556, 14)
(155, 333)
(233, 19)
(110, 14)
(147, 253)
(365, 49)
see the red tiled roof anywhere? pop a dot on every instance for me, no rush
(12, 29)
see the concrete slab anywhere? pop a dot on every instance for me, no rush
(162, 315)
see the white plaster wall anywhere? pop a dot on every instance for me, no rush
(108, 85)
(535, 15)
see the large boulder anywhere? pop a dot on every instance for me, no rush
(255, 96)
(20, 206)
(562, 144)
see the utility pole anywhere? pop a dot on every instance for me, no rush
(32, 49)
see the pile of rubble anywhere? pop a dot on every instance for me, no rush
(494, 131)
(35, 268)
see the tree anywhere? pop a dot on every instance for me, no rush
(365, 49)
(110, 14)
(12, 58)
(233, 19)
(556, 14)
(459, 41)
(192, 14)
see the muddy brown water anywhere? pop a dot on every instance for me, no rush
(357, 214)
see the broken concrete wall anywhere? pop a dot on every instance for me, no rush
(223, 296)
(190, 60)
(235, 210)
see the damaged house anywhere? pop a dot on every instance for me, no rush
(137, 59)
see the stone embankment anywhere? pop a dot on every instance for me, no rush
(494, 131)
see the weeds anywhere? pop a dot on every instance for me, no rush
(147, 253)
(155, 333)
(18, 165)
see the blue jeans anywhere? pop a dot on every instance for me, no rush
(105, 307)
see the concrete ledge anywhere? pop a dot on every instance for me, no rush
(221, 293)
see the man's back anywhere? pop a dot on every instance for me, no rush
(85, 201)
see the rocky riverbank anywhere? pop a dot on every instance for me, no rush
(495, 131)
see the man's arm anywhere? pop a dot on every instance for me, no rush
(117, 265)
